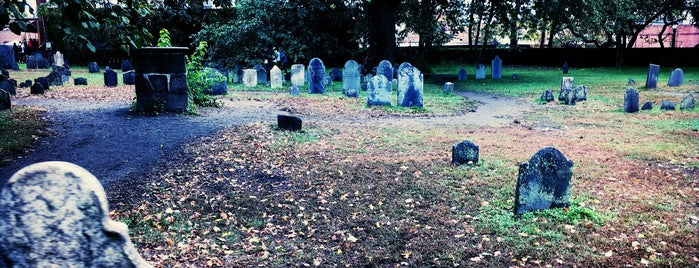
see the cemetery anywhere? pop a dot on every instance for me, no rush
(174, 156)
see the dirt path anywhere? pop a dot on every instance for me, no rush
(114, 144)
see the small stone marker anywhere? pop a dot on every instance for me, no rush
(647, 106)
(496, 68)
(298, 75)
(110, 78)
(129, 77)
(687, 102)
(92, 67)
(410, 86)
(480, 72)
(631, 101)
(287, 122)
(5, 100)
(386, 69)
(55, 214)
(336, 75)
(580, 92)
(543, 182)
(379, 92)
(652, 78)
(565, 67)
(463, 76)
(676, 78)
(36, 89)
(249, 77)
(294, 90)
(351, 76)
(275, 77)
(80, 81)
(466, 152)
(316, 76)
(667, 105)
(547, 96)
(261, 74)
(448, 88)
(126, 66)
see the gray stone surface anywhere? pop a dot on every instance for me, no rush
(55, 214)
(543, 182)
(687, 102)
(448, 88)
(351, 78)
(298, 75)
(37, 88)
(386, 69)
(379, 92)
(410, 86)
(480, 72)
(676, 78)
(631, 101)
(465, 152)
(316, 76)
(667, 105)
(249, 77)
(652, 77)
(547, 96)
(496, 68)
(275, 78)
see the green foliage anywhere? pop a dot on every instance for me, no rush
(164, 40)
(200, 79)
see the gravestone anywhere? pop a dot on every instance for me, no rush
(110, 78)
(126, 66)
(480, 72)
(32, 62)
(543, 182)
(631, 101)
(328, 81)
(687, 102)
(367, 78)
(466, 152)
(36, 89)
(58, 59)
(336, 75)
(652, 78)
(298, 75)
(129, 77)
(496, 68)
(448, 88)
(287, 122)
(41, 62)
(5, 100)
(462, 74)
(237, 74)
(547, 96)
(8, 85)
(410, 86)
(647, 106)
(676, 78)
(379, 92)
(351, 77)
(80, 81)
(316, 76)
(275, 77)
(386, 69)
(7, 58)
(580, 92)
(28, 82)
(667, 105)
(565, 67)
(43, 81)
(250, 77)
(92, 68)
(566, 85)
(294, 90)
(261, 74)
(55, 214)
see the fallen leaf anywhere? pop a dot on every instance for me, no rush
(608, 253)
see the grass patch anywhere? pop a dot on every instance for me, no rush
(20, 128)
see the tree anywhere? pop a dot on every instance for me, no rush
(381, 30)
(12, 13)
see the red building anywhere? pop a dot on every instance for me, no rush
(679, 36)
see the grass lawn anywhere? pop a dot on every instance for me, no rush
(355, 193)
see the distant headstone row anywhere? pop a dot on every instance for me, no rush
(632, 102)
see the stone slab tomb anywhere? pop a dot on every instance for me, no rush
(543, 182)
(55, 214)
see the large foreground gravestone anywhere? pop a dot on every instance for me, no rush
(465, 152)
(379, 92)
(652, 77)
(316, 76)
(543, 182)
(55, 214)
(410, 86)
(161, 77)
(386, 69)
(480, 72)
(496, 68)
(298, 75)
(351, 79)
(676, 78)
(631, 101)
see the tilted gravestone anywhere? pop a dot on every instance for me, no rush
(129, 77)
(667, 105)
(379, 92)
(126, 66)
(647, 106)
(287, 122)
(462, 74)
(687, 102)
(676, 78)
(275, 77)
(261, 74)
(465, 152)
(316, 77)
(547, 96)
(631, 101)
(55, 214)
(351, 79)
(652, 77)
(496, 68)
(36, 89)
(386, 69)
(110, 78)
(336, 75)
(92, 67)
(249, 77)
(448, 88)
(80, 81)
(480, 72)
(5, 100)
(543, 182)
(410, 86)
(298, 75)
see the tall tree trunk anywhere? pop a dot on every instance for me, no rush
(552, 33)
(471, 21)
(620, 51)
(381, 15)
(543, 34)
(514, 31)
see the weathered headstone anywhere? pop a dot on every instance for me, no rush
(687, 102)
(298, 75)
(126, 66)
(379, 92)
(328, 81)
(287, 122)
(261, 74)
(566, 85)
(631, 101)
(92, 67)
(250, 77)
(58, 59)
(410, 86)
(275, 77)
(80, 81)
(336, 74)
(8, 85)
(7, 57)
(43, 81)
(110, 78)
(129, 77)
(316, 76)
(565, 67)
(294, 90)
(652, 78)
(647, 106)
(547, 96)
(237, 74)
(462, 74)
(5, 100)
(36, 89)
(580, 92)
(55, 214)
(386, 69)
(667, 105)
(676, 78)
(351, 77)
(466, 152)
(496, 68)
(480, 72)
(448, 88)
(32, 62)
(543, 182)
(41, 62)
